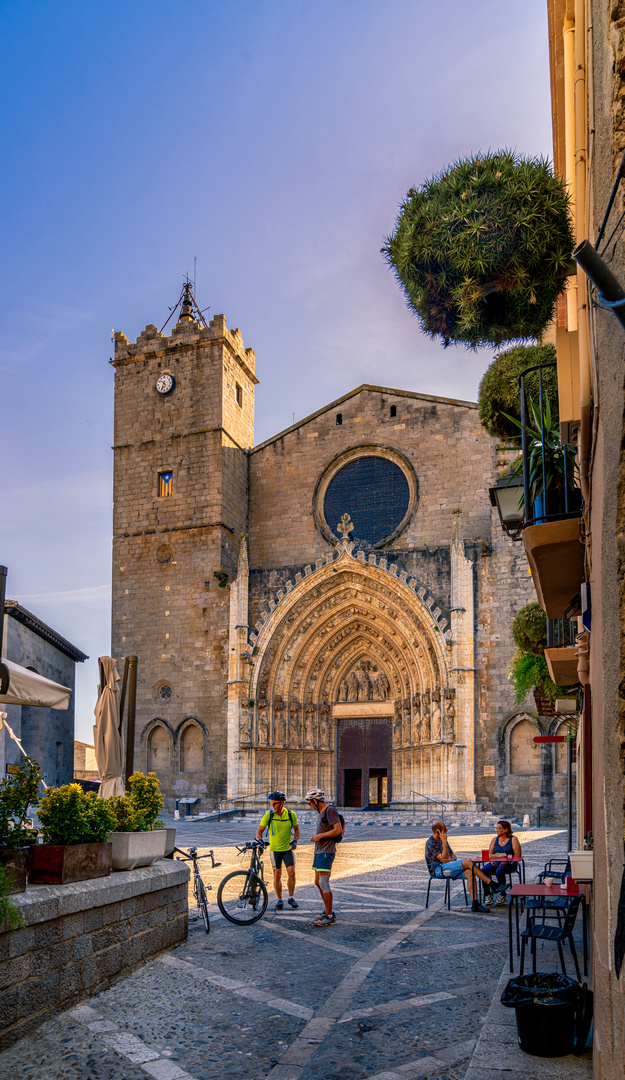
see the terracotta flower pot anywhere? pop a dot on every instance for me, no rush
(133, 849)
(57, 864)
(15, 863)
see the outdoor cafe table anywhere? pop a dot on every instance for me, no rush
(518, 892)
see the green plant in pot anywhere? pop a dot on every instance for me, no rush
(552, 468)
(18, 792)
(528, 670)
(76, 825)
(481, 250)
(140, 837)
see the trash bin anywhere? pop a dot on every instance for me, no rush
(546, 1008)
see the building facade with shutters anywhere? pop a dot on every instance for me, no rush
(330, 608)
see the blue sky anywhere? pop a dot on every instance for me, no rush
(274, 141)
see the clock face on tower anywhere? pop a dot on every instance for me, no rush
(165, 384)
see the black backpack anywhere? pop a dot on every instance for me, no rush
(337, 839)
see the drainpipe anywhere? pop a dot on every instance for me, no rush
(581, 231)
(569, 153)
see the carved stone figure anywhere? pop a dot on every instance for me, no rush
(425, 718)
(244, 728)
(406, 728)
(365, 691)
(353, 687)
(381, 687)
(449, 714)
(279, 729)
(435, 725)
(397, 727)
(263, 729)
(343, 690)
(294, 725)
(309, 728)
(448, 723)
(324, 732)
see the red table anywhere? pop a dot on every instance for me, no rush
(522, 891)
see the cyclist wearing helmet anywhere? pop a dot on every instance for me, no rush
(328, 828)
(279, 821)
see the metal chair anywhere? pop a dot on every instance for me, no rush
(559, 874)
(448, 881)
(540, 931)
(551, 907)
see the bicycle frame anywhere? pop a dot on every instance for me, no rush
(199, 888)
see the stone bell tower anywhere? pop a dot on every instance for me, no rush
(184, 421)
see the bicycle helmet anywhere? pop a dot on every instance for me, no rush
(314, 795)
(276, 796)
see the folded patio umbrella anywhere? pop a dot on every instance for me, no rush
(109, 751)
(26, 687)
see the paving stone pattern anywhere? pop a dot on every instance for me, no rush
(392, 990)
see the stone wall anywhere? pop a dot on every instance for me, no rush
(79, 937)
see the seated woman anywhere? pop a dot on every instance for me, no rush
(502, 847)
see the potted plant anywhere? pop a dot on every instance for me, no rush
(498, 395)
(528, 670)
(76, 825)
(140, 837)
(17, 792)
(482, 250)
(551, 466)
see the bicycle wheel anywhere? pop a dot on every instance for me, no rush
(202, 903)
(242, 897)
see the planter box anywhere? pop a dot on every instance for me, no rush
(133, 849)
(15, 863)
(57, 864)
(581, 864)
(170, 842)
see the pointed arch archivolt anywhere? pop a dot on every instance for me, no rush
(346, 612)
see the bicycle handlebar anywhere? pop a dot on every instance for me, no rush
(194, 855)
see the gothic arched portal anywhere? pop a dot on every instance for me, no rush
(353, 673)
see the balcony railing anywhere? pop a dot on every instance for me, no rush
(561, 633)
(550, 492)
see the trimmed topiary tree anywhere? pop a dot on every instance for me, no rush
(499, 388)
(481, 250)
(529, 629)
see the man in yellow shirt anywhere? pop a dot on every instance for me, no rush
(280, 822)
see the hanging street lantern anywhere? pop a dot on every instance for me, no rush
(506, 496)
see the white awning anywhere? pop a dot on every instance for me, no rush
(28, 688)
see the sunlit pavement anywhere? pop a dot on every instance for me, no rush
(391, 990)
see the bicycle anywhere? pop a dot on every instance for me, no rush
(242, 895)
(199, 888)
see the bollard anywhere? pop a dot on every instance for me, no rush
(526, 821)
(176, 815)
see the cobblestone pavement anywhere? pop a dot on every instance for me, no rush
(392, 990)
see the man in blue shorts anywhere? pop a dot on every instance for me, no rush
(280, 822)
(328, 828)
(442, 863)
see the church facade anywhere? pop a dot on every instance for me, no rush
(330, 608)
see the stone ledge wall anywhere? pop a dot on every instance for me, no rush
(77, 938)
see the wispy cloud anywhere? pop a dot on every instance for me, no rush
(89, 595)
